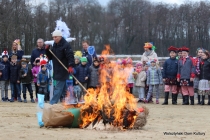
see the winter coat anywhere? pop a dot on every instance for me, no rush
(64, 53)
(94, 76)
(170, 68)
(130, 71)
(154, 76)
(19, 54)
(5, 72)
(35, 54)
(147, 57)
(186, 70)
(43, 79)
(205, 70)
(14, 72)
(82, 71)
(89, 57)
(141, 78)
(35, 72)
(26, 79)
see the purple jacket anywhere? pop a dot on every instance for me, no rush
(35, 72)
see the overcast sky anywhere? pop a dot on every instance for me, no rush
(104, 2)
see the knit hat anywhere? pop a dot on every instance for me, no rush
(148, 45)
(139, 64)
(129, 60)
(179, 49)
(124, 62)
(37, 60)
(185, 49)
(57, 33)
(77, 57)
(153, 60)
(83, 59)
(172, 48)
(43, 60)
(14, 56)
(5, 54)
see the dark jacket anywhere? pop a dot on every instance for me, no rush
(14, 72)
(205, 70)
(64, 53)
(43, 79)
(186, 70)
(5, 72)
(82, 71)
(36, 53)
(94, 76)
(28, 78)
(89, 57)
(170, 68)
(19, 54)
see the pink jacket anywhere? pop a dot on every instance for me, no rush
(35, 72)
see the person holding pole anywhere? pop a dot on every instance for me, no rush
(62, 51)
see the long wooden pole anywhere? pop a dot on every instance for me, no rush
(68, 70)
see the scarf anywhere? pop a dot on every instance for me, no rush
(147, 53)
(25, 69)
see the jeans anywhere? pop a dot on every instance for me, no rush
(29, 87)
(141, 92)
(156, 88)
(15, 88)
(4, 89)
(59, 89)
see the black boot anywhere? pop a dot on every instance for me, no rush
(199, 101)
(186, 100)
(183, 99)
(203, 100)
(166, 98)
(174, 99)
(192, 100)
(208, 99)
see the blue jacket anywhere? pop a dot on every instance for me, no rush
(186, 70)
(5, 72)
(89, 57)
(82, 71)
(36, 53)
(19, 54)
(14, 72)
(170, 68)
(154, 76)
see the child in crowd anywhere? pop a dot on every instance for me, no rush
(154, 79)
(199, 53)
(129, 70)
(5, 76)
(94, 74)
(178, 83)
(170, 69)
(186, 75)
(26, 78)
(77, 61)
(14, 78)
(204, 77)
(140, 78)
(43, 79)
(82, 74)
(35, 72)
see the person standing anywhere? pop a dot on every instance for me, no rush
(90, 58)
(16, 50)
(170, 69)
(37, 51)
(186, 75)
(63, 51)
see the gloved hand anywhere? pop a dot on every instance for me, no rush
(71, 70)
(47, 47)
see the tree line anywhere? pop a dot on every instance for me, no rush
(124, 24)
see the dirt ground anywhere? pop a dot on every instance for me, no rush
(18, 121)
